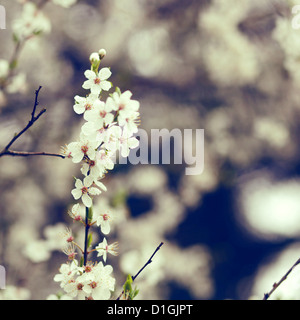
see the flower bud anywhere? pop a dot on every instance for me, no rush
(102, 53)
(94, 57)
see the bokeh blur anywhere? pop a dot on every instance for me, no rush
(229, 67)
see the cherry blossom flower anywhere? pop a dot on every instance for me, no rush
(77, 213)
(100, 115)
(32, 21)
(64, 3)
(103, 220)
(126, 108)
(97, 82)
(84, 147)
(91, 168)
(122, 140)
(101, 282)
(103, 249)
(104, 160)
(78, 287)
(67, 273)
(67, 235)
(122, 102)
(83, 104)
(129, 121)
(69, 250)
(84, 190)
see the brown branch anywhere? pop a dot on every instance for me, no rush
(14, 153)
(7, 152)
(277, 284)
(144, 266)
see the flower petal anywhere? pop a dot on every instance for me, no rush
(90, 74)
(76, 193)
(87, 201)
(105, 85)
(104, 73)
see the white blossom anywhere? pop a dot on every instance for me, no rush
(79, 287)
(103, 221)
(101, 283)
(109, 128)
(103, 249)
(64, 3)
(83, 104)
(32, 21)
(97, 82)
(100, 115)
(84, 147)
(77, 212)
(85, 190)
(67, 273)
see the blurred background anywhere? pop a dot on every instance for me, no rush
(229, 67)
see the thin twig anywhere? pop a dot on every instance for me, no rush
(7, 152)
(144, 266)
(14, 153)
(12, 64)
(277, 284)
(87, 227)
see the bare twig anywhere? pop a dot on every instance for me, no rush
(144, 266)
(7, 152)
(277, 284)
(14, 153)
(87, 227)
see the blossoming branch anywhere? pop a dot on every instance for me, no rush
(109, 128)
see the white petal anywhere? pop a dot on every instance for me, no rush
(90, 74)
(125, 151)
(78, 108)
(87, 84)
(104, 73)
(95, 88)
(133, 142)
(109, 118)
(88, 128)
(77, 156)
(126, 95)
(105, 85)
(78, 184)
(101, 185)
(87, 181)
(76, 193)
(94, 191)
(105, 227)
(87, 201)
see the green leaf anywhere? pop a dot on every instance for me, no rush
(90, 214)
(81, 261)
(127, 285)
(117, 89)
(90, 239)
(129, 293)
(134, 293)
(95, 65)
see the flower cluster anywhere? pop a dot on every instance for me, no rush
(88, 282)
(108, 129)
